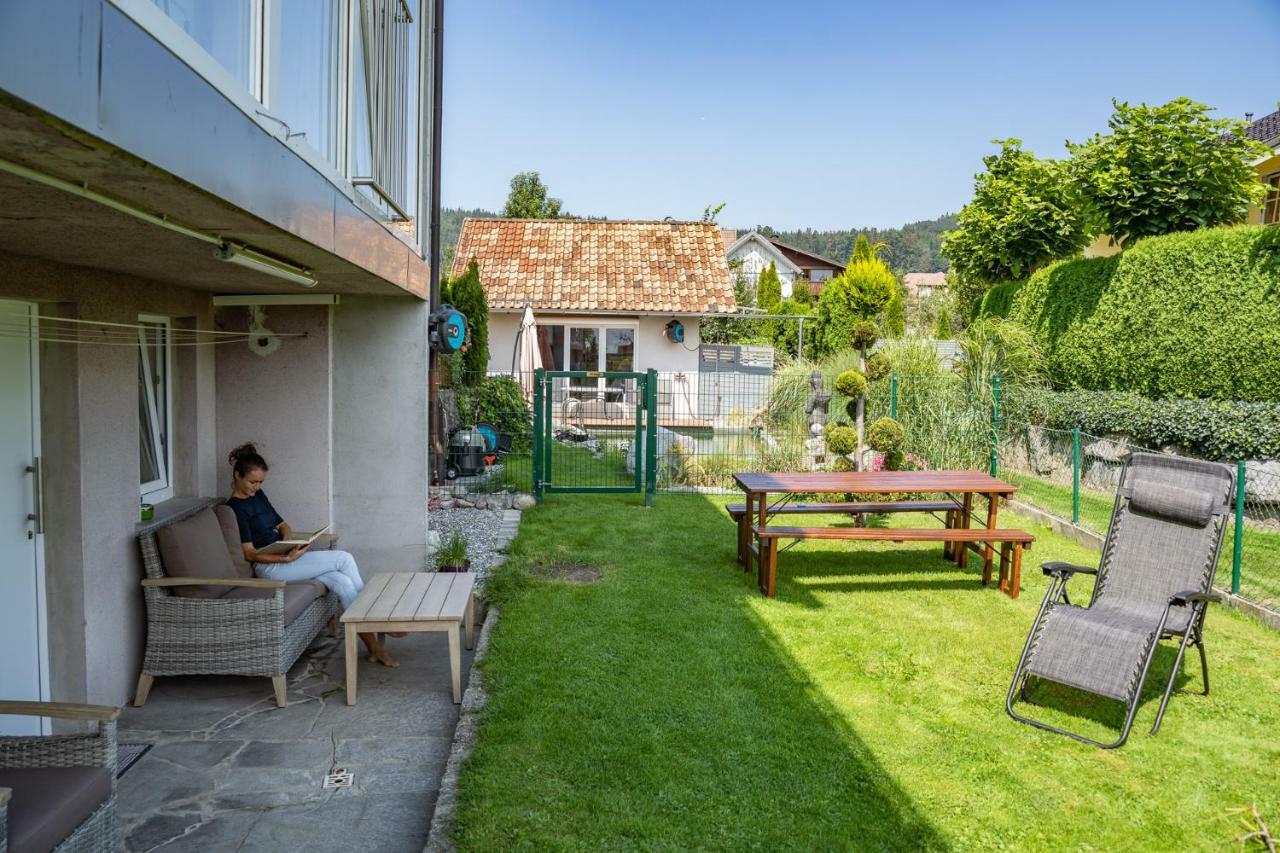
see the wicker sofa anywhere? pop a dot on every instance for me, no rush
(59, 791)
(258, 627)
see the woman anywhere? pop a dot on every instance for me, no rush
(260, 525)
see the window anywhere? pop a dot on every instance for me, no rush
(304, 77)
(1271, 207)
(581, 349)
(226, 29)
(155, 408)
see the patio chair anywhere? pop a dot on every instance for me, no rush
(222, 620)
(58, 792)
(1154, 581)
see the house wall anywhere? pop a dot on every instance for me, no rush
(756, 259)
(1266, 168)
(89, 435)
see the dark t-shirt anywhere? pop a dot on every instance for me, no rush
(258, 519)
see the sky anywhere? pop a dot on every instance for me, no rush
(814, 113)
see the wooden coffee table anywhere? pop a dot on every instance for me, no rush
(413, 601)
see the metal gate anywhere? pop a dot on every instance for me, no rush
(584, 421)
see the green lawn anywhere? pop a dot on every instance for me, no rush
(1259, 557)
(670, 706)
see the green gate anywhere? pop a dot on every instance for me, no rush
(611, 406)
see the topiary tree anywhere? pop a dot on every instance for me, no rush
(887, 437)
(842, 440)
(943, 330)
(1168, 168)
(852, 384)
(769, 290)
(468, 297)
(878, 366)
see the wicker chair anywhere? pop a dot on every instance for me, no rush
(221, 636)
(22, 757)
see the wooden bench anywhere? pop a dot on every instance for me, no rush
(1011, 542)
(738, 512)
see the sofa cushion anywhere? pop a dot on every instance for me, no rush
(231, 535)
(194, 548)
(50, 803)
(297, 596)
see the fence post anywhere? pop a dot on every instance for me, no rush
(1075, 475)
(893, 396)
(995, 425)
(538, 433)
(1238, 550)
(651, 435)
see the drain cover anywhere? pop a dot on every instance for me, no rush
(339, 777)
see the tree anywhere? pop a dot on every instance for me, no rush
(1168, 168)
(1025, 213)
(710, 212)
(943, 330)
(769, 289)
(895, 317)
(467, 296)
(862, 291)
(528, 199)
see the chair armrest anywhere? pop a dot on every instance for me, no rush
(1190, 596)
(254, 583)
(60, 710)
(1066, 570)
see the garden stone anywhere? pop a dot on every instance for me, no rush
(1107, 449)
(462, 503)
(481, 504)
(1262, 480)
(669, 445)
(523, 502)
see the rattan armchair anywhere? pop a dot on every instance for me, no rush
(74, 753)
(220, 636)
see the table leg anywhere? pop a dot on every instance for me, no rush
(351, 662)
(993, 504)
(769, 567)
(744, 536)
(966, 512)
(470, 616)
(1015, 577)
(455, 661)
(948, 548)
(1004, 566)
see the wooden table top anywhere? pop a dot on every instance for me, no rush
(412, 597)
(830, 482)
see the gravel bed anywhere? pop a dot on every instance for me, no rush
(482, 528)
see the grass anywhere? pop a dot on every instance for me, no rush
(670, 706)
(1260, 552)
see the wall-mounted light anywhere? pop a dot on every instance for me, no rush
(249, 259)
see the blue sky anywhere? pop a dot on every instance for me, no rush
(819, 114)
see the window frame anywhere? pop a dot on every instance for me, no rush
(1271, 204)
(161, 431)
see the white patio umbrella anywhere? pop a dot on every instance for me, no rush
(527, 357)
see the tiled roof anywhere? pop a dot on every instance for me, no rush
(913, 281)
(1265, 129)
(583, 265)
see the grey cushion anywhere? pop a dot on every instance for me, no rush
(231, 535)
(194, 548)
(50, 803)
(297, 596)
(1188, 506)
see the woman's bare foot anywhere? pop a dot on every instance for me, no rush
(377, 652)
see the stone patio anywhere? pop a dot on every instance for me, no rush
(231, 771)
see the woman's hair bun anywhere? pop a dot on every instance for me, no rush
(245, 458)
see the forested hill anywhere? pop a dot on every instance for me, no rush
(912, 248)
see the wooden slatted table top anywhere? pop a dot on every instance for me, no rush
(828, 482)
(412, 597)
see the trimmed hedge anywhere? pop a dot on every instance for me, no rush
(998, 300)
(1184, 315)
(1213, 429)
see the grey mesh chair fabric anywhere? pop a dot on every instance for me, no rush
(1155, 580)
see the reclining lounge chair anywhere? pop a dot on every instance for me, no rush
(1155, 581)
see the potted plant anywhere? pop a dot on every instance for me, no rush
(452, 556)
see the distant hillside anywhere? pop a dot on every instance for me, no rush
(451, 228)
(912, 248)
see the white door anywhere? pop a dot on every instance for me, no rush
(23, 666)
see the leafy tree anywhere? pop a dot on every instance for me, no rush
(800, 291)
(769, 290)
(1025, 213)
(468, 297)
(862, 291)
(865, 250)
(528, 199)
(914, 247)
(710, 212)
(943, 330)
(1168, 168)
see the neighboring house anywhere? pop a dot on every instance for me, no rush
(1265, 130)
(135, 144)
(925, 284)
(755, 252)
(603, 294)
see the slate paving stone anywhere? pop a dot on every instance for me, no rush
(388, 766)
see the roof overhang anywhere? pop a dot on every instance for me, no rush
(757, 237)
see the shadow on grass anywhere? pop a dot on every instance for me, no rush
(657, 708)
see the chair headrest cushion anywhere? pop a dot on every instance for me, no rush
(1188, 506)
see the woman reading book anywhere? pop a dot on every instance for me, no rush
(261, 526)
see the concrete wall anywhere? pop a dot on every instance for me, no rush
(380, 431)
(281, 403)
(89, 433)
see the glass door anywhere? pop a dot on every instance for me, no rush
(584, 354)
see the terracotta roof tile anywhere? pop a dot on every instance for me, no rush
(581, 265)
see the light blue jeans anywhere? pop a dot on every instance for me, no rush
(335, 569)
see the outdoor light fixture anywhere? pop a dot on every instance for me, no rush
(258, 262)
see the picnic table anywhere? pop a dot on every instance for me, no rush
(758, 540)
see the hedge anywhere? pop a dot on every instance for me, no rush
(1213, 429)
(998, 300)
(1184, 315)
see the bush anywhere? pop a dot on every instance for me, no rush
(497, 400)
(842, 440)
(851, 384)
(878, 366)
(468, 297)
(886, 436)
(769, 289)
(1184, 315)
(943, 330)
(998, 300)
(1216, 430)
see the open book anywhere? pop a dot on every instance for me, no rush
(284, 546)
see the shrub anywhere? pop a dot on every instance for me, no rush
(842, 464)
(1184, 315)
(895, 316)
(998, 300)
(865, 334)
(769, 289)
(851, 384)
(497, 400)
(943, 330)
(468, 297)
(862, 291)
(1213, 429)
(842, 440)
(886, 436)
(878, 366)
